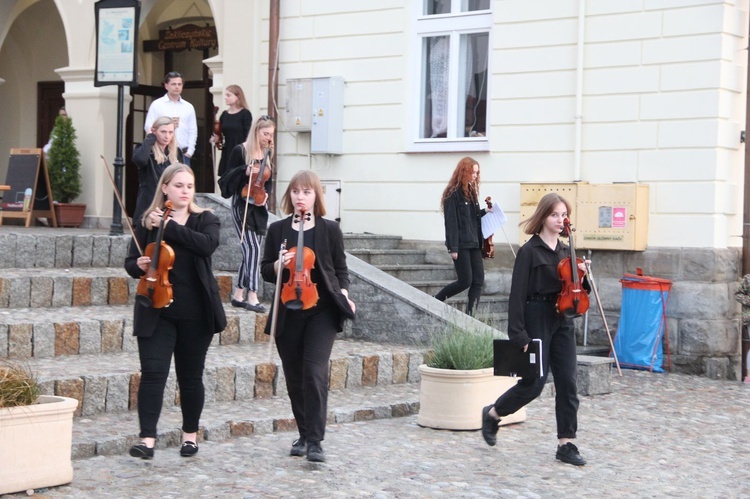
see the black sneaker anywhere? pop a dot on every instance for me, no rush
(489, 426)
(142, 451)
(568, 453)
(315, 452)
(299, 447)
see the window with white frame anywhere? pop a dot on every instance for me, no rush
(453, 40)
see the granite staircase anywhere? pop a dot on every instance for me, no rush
(66, 313)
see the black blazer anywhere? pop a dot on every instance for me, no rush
(149, 172)
(463, 223)
(199, 235)
(330, 259)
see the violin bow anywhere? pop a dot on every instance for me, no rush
(122, 205)
(275, 305)
(601, 311)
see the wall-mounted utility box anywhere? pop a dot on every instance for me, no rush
(316, 105)
(605, 216)
(299, 105)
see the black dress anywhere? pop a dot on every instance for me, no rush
(235, 129)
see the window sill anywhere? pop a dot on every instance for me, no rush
(448, 145)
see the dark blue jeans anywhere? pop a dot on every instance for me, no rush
(559, 356)
(470, 274)
(188, 340)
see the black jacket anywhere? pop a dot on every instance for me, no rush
(149, 172)
(231, 184)
(330, 259)
(199, 235)
(463, 226)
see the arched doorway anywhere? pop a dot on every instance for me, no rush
(173, 40)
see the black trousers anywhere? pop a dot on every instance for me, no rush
(559, 356)
(188, 341)
(305, 346)
(470, 274)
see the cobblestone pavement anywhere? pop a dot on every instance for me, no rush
(656, 435)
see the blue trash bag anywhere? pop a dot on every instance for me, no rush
(642, 322)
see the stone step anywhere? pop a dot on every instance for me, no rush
(390, 257)
(427, 272)
(108, 382)
(366, 240)
(64, 331)
(114, 433)
(57, 287)
(61, 248)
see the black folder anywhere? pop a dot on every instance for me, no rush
(511, 360)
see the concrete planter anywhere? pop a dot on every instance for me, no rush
(453, 399)
(36, 444)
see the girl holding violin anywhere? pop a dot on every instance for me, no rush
(248, 182)
(234, 124)
(535, 290)
(188, 236)
(152, 156)
(308, 320)
(463, 232)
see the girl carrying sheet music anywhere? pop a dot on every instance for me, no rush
(531, 314)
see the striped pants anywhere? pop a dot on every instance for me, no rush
(249, 271)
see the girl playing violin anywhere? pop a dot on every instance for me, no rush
(535, 286)
(157, 151)
(246, 160)
(304, 338)
(463, 232)
(186, 327)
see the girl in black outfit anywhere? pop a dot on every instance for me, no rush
(532, 314)
(184, 328)
(463, 232)
(245, 160)
(304, 338)
(235, 124)
(157, 151)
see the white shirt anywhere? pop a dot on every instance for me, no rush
(186, 132)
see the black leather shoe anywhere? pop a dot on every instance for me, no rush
(238, 303)
(315, 452)
(142, 451)
(188, 448)
(257, 308)
(299, 447)
(568, 453)
(489, 426)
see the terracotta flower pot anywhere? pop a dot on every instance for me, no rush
(69, 214)
(36, 444)
(452, 399)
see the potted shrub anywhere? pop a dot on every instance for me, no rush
(36, 432)
(64, 167)
(457, 381)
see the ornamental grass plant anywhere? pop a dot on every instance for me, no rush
(18, 386)
(460, 349)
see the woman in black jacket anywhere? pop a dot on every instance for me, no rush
(152, 156)
(184, 328)
(304, 338)
(463, 232)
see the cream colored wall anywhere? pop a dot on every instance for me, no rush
(664, 93)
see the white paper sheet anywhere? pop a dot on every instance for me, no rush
(492, 221)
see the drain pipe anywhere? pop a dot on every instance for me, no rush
(273, 89)
(746, 222)
(579, 90)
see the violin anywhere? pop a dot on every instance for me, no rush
(573, 300)
(217, 130)
(256, 187)
(299, 292)
(155, 285)
(488, 248)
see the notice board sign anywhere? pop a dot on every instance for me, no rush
(30, 193)
(117, 24)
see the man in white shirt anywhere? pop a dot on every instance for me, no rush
(181, 112)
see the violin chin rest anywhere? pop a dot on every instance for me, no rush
(294, 304)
